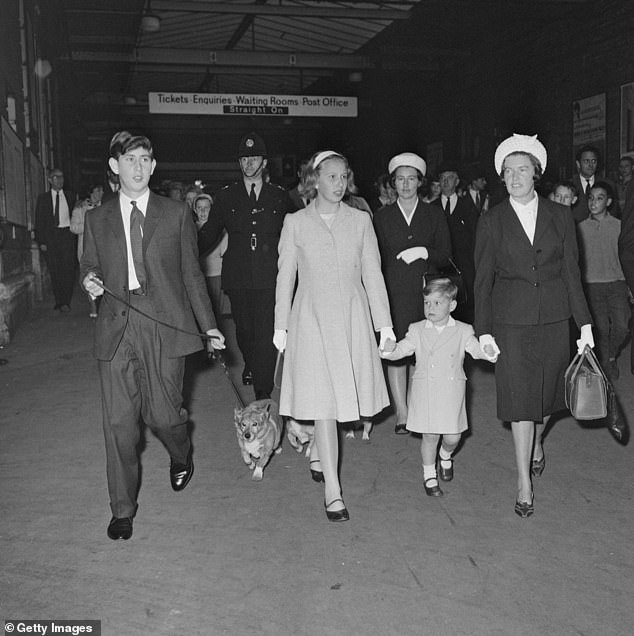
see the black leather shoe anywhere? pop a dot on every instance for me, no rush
(401, 429)
(433, 491)
(120, 528)
(316, 475)
(247, 377)
(446, 474)
(537, 466)
(336, 515)
(180, 474)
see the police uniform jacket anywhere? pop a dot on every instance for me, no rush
(250, 261)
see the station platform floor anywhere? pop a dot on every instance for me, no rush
(232, 556)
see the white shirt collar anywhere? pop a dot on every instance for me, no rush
(141, 201)
(430, 325)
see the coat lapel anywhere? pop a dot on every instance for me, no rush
(544, 219)
(153, 215)
(512, 224)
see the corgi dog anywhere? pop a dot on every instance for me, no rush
(300, 436)
(259, 431)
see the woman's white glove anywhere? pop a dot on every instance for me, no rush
(279, 339)
(387, 333)
(413, 253)
(585, 339)
(217, 340)
(489, 347)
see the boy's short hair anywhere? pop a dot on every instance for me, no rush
(443, 286)
(569, 185)
(605, 187)
(123, 142)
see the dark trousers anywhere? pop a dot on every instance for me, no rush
(61, 259)
(253, 311)
(610, 313)
(140, 382)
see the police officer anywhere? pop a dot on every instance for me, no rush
(252, 211)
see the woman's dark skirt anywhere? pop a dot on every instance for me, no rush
(529, 374)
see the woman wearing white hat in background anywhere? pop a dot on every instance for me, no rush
(332, 370)
(526, 288)
(414, 241)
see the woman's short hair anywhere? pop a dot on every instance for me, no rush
(533, 159)
(444, 286)
(308, 186)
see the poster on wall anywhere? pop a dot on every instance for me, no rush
(588, 123)
(627, 119)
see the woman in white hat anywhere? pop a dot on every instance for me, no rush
(526, 288)
(414, 241)
(332, 369)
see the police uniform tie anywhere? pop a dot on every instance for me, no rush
(477, 202)
(588, 187)
(448, 207)
(57, 208)
(253, 195)
(136, 242)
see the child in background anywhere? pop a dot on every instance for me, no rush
(437, 389)
(603, 278)
(565, 193)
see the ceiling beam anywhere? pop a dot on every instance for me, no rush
(165, 58)
(167, 6)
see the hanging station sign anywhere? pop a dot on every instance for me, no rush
(244, 104)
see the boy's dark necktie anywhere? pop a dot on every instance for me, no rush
(136, 242)
(56, 208)
(253, 195)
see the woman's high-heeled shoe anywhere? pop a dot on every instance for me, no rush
(316, 475)
(525, 508)
(336, 515)
(537, 466)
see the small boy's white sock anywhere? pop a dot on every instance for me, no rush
(445, 457)
(429, 472)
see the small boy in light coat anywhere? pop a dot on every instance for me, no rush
(437, 389)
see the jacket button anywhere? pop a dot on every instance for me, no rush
(534, 268)
(536, 284)
(253, 222)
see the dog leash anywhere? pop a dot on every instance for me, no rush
(200, 334)
(215, 355)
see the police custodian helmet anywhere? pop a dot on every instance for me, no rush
(252, 145)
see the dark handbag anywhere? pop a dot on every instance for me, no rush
(586, 387)
(455, 276)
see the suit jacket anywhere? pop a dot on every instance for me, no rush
(629, 201)
(462, 228)
(427, 229)
(45, 215)
(250, 261)
(522, 284)
(175, 283)
(580, 210)
(626, 244)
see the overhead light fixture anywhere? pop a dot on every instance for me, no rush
(42, 68)
(150, 23)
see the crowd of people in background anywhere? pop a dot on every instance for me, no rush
(314, 271)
